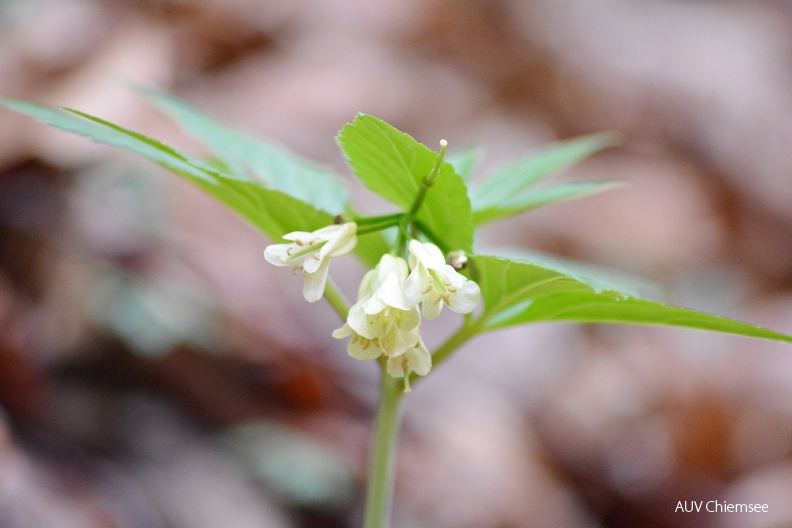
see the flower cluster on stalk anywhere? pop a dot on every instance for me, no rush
(385, 322)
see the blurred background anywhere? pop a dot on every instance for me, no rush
(155, 372)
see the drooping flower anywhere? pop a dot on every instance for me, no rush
(435, 283)
(382, 304)
(385, 322)
(415, 358)
(311, 253)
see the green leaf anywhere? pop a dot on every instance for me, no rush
(251, 159)
(517, 293)
(272, 212)
(392, 164)
(464, 161)
(599, 278)
(534, 199)
(149, 148)
(513, 180)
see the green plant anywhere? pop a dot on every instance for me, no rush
(436, 213)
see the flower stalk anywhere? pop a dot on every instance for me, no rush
(426, 184)
(381, 477)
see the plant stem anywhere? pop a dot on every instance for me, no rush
(336, 299)
(379, 490)
(426, 184)
(391, 219)
(373, 228)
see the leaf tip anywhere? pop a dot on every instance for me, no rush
(608, 139)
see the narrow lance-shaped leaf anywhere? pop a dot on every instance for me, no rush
(598, 278)
(513, 180)
(271, 212)
(254, 160)
(147, 147)
(268, 165)
(392, 164)
(517, 293)
(536, 198)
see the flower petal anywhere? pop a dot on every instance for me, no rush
(304, 236)
(427, 254)
(432, 305)
(358, 320)
(344, 331)
(374, 305)
(314, 285)
(466, 298)
(275, 252)
(362, 348)
(395, 367)
(312, 261)
(419, 360)
(391, 291)
(413, 287)
(366, 288)
(340, 240)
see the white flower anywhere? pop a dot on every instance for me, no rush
(385, 322)
(311, 253)
(382, 305)
(434, 282)
(392, 344)
(415, 358)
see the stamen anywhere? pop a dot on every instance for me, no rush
(295, 271)
(441, 285)
(299, 242)
(427, 290)
(316, 256)
(305, 250)
(452, 289)
(407, 388)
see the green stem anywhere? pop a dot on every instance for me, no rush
(426, 184)
(372, 228)
(392, 219)
(336, 299)
(379, 490)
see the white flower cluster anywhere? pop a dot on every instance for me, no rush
(386, 319)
